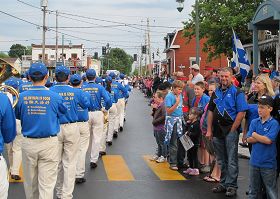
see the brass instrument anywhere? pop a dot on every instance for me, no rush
(8, 70)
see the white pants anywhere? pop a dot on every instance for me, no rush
(39, 162)
(105, 131)
(121, 107)
(84, 143)
(69, 142)
(96, 123)
(4, 183)
(14, 151)
(113, 112)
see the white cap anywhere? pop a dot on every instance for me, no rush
(195, 66)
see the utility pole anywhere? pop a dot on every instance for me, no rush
(56, 38)
(149, 41)
(44, 4)
(197, 58)
(146, 33)
(63, 49)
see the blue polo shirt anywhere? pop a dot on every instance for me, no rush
(83, 113)
(122, 92)
(25, 86)
(264, 155)
(7, 122)
(97, 92)
(202, 102)
(39, 110)
(170, 100)
(114, 95)
(226, 104)
(72, 98)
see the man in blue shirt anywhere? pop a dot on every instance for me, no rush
(14, 148)
(123, 93)
(262, 135)
(227, 108)
(26, 85)
(113, 110)
(76, 82)
(38, 109)
(96, 117)
(7, 135)
(69, 137)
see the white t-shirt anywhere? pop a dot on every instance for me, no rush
(197, 78)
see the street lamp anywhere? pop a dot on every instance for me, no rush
(180, 7)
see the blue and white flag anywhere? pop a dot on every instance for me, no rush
(240, 58)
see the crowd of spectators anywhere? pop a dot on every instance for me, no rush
(212, 110)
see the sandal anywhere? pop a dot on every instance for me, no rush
(210, 179)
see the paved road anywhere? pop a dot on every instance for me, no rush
(125, 174)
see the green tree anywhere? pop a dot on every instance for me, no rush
(217, 19)
(117, 59)
(3, 55)
(17, 50)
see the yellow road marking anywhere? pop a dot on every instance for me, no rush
(20, 174)
(162, 170)
(116, 168)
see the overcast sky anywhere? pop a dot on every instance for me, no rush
(159, 12)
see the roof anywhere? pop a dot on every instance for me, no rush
(267, 15)
(10, 60)
(59, 46)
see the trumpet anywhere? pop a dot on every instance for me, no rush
(7, 70)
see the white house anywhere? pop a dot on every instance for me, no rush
(74, 55)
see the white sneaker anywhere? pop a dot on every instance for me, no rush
(161, 159)
(154, 158)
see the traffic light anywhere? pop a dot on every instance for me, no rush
(103, 50)
(95, 55)
(84, 52)
(135, 57)
(153, 55)
(144, 49)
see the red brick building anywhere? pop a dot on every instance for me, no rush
(181, 55)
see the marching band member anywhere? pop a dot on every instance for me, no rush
(25, 85)
(7, 135)
(14, 148)
(39, 109)
(96, 117)
(82, 123)
(121, 102)
(113, 110)
(69, 137)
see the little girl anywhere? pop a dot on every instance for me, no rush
(194, 132)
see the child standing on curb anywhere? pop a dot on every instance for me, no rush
(158, 123)
(194, 132)
(262, 135)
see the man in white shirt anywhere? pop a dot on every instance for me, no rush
(195, 75)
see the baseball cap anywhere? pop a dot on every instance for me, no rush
(108, 79)
(112, 75)
(12, 82)
(209, 68)
(195, 66)
(62, 69)
(98, 80)
(75, 79)
(91, 73)
(122, 76)
(38, 70)
(266, 100)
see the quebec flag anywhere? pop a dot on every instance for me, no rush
(240, 58)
